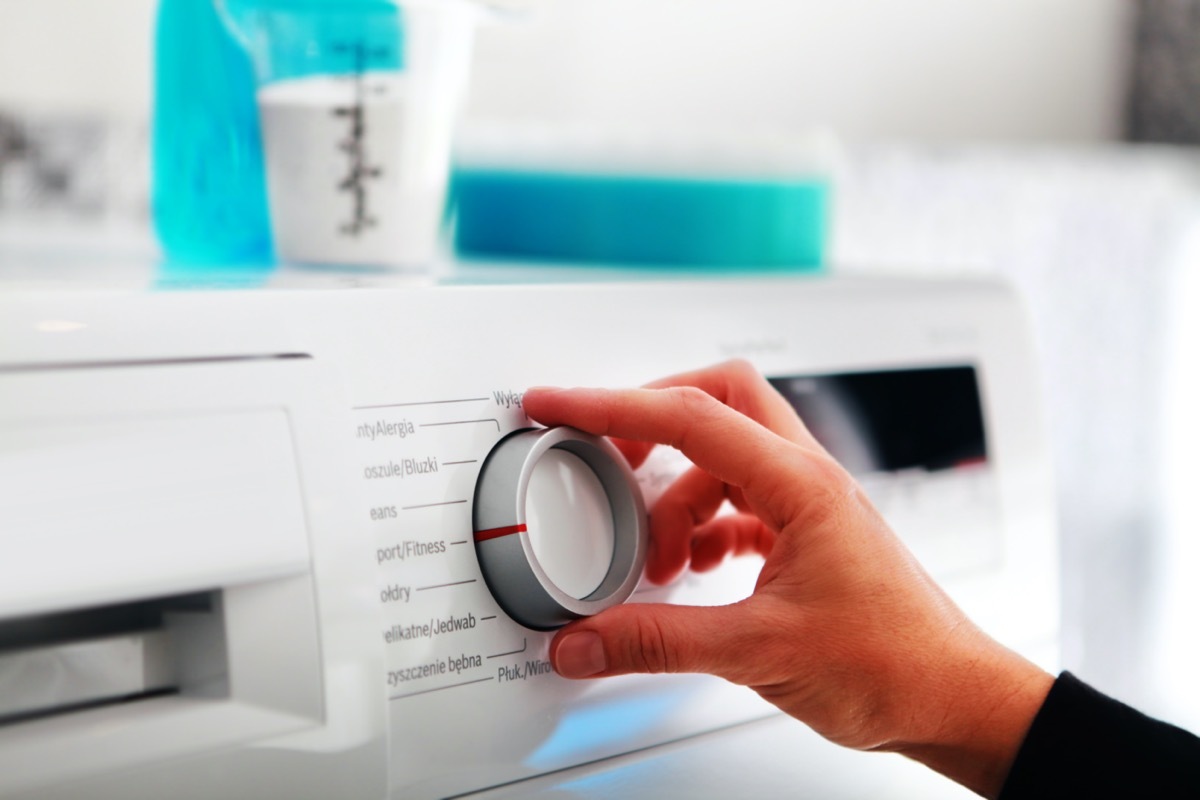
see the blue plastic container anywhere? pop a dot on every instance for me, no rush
(610, 218)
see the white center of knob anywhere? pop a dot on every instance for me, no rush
(570, 523)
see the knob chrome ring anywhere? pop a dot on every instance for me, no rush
(503, 545)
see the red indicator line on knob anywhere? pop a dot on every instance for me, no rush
(496, 533)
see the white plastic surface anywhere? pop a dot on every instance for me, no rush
(570, 523)
(401, 396)
(775, 759)
(111, 509)
(137, 476)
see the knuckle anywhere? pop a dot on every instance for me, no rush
(605, 417)
(750, 392)
(742, 369)
(826, 494)
(649, 651)
(692, 404)
(829, 475)
(692, 399)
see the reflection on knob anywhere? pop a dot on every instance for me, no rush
(570, 522)
(560, 526)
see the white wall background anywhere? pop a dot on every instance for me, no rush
(908, 69)
(913, 69)
(67, 55)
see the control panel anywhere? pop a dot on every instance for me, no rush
(319, 548)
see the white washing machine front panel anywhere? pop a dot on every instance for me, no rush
(277, 488)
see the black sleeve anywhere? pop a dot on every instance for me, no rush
(1084, 744)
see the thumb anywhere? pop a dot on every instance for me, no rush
(643, 637)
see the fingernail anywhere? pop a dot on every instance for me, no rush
(580, 655)
(544, 389)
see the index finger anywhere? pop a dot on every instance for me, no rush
(729, 445)
(736, 383)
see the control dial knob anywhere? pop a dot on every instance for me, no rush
(560, 526)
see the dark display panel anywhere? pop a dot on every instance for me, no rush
(927, 418)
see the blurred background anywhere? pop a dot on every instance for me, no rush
(1053, 142)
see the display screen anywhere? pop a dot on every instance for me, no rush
(927, 418)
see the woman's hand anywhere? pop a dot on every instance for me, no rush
(844, 631)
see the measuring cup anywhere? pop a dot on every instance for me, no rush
(357, 102)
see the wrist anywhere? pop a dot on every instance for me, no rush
(975, 716)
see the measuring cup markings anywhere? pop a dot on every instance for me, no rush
(354, 145)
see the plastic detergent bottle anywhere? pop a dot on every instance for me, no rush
(208, 193)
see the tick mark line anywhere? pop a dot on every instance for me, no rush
(440, 688)
(423, 403)
(524, 647)
(461, 422)
(463, 541)
(455, 463)
(443, 585)
(431, 505)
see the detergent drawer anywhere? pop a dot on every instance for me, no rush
(159, 592)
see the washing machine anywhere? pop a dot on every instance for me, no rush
(241, 548)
